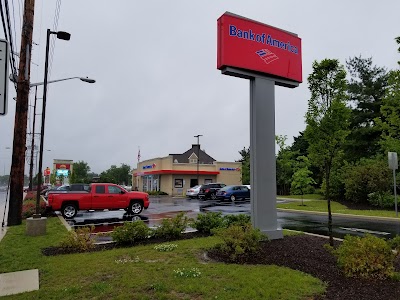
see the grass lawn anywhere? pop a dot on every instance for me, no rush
(306, 196)
(144, 273)
(322, 206)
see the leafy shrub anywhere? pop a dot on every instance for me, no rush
(207, 222)
(366, 177)
(29, 208)
(172, 228)
(131, 232)
(384, 200)
(367, 257)
(394, 243)
(157, 193)
(239, 240)
(79, 239)
(240, 220)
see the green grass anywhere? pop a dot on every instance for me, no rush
(322, 206)
(142, 272)
(305, 197)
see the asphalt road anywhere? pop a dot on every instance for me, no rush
(165, 207)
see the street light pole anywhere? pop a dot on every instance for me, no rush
(33, 143)
(63, 36)
(198, 155)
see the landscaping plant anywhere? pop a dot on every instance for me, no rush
(79, 239)
(205, 223)
(239, 239)
(172, 228)
(131, 232)
(366, 257)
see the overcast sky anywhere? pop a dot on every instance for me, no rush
(157, 85)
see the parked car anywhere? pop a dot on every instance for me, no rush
(101, 196)
(193, 192)
(209, 191)
(233, 193)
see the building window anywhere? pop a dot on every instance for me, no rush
(193, 161)
(207, 181)
(178, 183)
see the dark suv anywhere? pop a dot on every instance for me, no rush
(209, 191)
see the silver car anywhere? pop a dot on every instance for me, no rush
(193, 192)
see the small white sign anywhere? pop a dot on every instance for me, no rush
(4, 55)
(393, 163)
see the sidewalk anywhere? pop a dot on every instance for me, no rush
(16, 282)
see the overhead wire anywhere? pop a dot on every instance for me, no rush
(52, 42)
(13, 65)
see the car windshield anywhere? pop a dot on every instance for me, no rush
(196, 187)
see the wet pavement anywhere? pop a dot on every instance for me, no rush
(168, 207)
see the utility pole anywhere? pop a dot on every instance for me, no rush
(21, 118)
(32, 144)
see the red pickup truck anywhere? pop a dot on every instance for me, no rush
(100, 196)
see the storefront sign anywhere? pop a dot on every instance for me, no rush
(47, 172)
(254, 46)
(149, 166)
(63, 166)
(229, 169)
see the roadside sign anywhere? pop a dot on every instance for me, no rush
(393, 163)
(4, 55)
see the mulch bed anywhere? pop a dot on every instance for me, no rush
(305, 253)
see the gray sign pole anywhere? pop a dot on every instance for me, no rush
(393, 164)
(262, 149)
(395, 192)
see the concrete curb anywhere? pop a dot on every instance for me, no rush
(391, 219)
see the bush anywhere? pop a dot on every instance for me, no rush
(239, 240)
(172, 228)
(367, 257)
(384, 200)
(395, 244)
(29, 208)
(79, 239)
(131, 232)
(240, 220)
(205, 223)
(368, 176)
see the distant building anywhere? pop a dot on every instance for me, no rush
(176, 173)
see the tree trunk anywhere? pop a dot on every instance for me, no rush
(327, 178)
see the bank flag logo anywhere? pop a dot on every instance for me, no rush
(267, 56)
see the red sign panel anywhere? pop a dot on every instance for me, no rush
(63, 166)
(250, 45)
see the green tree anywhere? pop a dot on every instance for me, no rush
(327, 119)
(389, 122)
(80, 173)
(366, 88)
(285, 162)
(118, 175)
(245, 160)
(301, 181)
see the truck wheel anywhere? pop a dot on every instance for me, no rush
(213, 196)
(69, 211)
(136, 207)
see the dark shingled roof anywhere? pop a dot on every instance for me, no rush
(184, 157)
